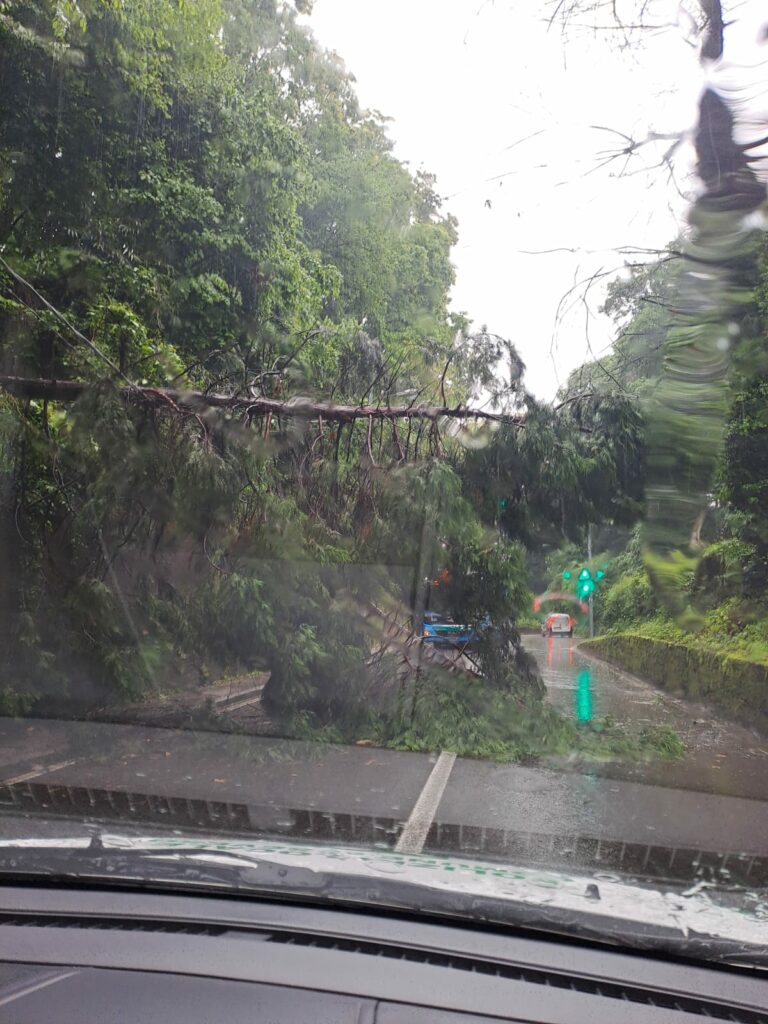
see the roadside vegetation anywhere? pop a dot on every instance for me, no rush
(473, 722)
(711, 640)
(193, 199)
(233, 402)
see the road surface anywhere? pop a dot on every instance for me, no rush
(721, 756)
(654, 820)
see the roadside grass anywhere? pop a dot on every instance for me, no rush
(473, 720)
(607, 740)
(733, 627)
(724, 679)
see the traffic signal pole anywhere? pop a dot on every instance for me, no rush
(592, 595)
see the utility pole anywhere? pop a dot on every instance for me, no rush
(592, 595)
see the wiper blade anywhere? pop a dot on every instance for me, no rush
(158, 866)
(218, 867)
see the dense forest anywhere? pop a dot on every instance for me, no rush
(725, 585)
(235, 401)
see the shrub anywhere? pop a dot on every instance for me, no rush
(720, 571)
(630, 600)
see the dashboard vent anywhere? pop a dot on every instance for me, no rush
(113, 924)
(607, 990)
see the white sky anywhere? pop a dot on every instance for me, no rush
(464, 81)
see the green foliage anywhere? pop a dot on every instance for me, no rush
(473, 721)
(662, 740)
(607, 740)
(720, 572)
(15, 703)
(734, 627)
(195, 187)
(229, 614)
(526, 619)
(629, 601)
(570, 467)
(730, 681)
(744, 475)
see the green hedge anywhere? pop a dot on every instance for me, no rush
(732, 683)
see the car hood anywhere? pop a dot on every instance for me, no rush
(600, 906)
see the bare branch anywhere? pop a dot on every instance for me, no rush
(296, 408)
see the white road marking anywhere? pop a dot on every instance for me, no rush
(27, 776)
(414, 833)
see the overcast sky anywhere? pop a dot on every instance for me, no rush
(500, 107)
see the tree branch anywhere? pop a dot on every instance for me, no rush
(297, 408)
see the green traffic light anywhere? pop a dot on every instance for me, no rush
(586, 587)
(585, 574)
(599, 574)
(567, 574)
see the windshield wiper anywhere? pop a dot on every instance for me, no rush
(173, 867)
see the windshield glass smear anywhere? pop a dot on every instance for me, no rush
(383, 465)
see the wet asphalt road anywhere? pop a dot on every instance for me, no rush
(721, 757)
(603, 816)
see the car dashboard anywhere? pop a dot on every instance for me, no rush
(126, 956)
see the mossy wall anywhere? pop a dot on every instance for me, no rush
(729, 682)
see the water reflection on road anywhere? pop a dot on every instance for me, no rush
(587, 689)
(722, 756)
(584, 711)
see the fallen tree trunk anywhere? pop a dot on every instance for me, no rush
(298, 408)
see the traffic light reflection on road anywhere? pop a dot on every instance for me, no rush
(584, 710)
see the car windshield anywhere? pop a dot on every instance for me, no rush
(384, 438)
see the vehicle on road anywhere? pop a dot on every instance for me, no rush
(441, 631)
(557, 624)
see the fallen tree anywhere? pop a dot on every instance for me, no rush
(298, 407)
